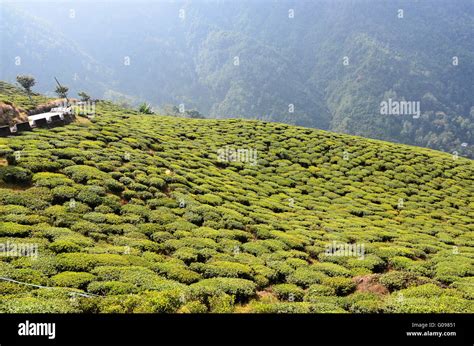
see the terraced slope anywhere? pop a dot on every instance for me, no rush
(143, 214)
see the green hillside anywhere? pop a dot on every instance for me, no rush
(322, 64)
(141, 213)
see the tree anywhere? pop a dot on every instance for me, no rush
(84, 96)
(61, 91)
(27, 82)
(175, 112)
(194, 114)
(145, 108)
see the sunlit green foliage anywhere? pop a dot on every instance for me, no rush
(141, 213)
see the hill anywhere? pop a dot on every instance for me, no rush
(148, 213)
(329, 66)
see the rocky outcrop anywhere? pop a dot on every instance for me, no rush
(11, 115)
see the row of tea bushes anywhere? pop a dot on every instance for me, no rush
(141, 214)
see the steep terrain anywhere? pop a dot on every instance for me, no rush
(327, 64)
(146, 213)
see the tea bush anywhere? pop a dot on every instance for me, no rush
(396, 280)
(166, 301)
(194, 307)
(82, 173)
(72, 279)
(240, 288)
(111, 288)
(142, 204)
(86, 262)
(223, 269)
(306, 276)
(177, 272)
(342, 285)
(221, 303)
(31, 305)
(289, 292)
(15, 175)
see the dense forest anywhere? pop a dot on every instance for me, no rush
(322, 64)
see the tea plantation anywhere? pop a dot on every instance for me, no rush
(138, 213)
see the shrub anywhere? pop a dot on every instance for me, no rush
(256, 248)
(306, 276)
(465, 286)
(370, 261)
(51, 180)
(91, 195)
(223, 269)
(62, 245)
(45, 264)
(407, 264)
(119, 303)
(10, 229)
(454, 268)
(136, 209)
(136, 275)
(282, 269)
(14, 209)
(161, 216)
(111, 288)
(81, 173)
(343, 286)
(294, 241)
(72, 279)
(240, 288)
(296, 262)
(32, 305)
(209, 199)
(11, 288)
(28, 275)
(167, 301)
(222, 303)
(15, 175)
(199, 243)
(62, 194)
(398, 303)
(368, 306)
(156, 182)
(320, 290)
(31, 198)
(289, 292)
(396, 280)
(295, 308)
(181, 225)
(177, 272)
(36, 164)
(85, 227)
(186, 254)
(331, 269)
(86, 262)
(425, 291)
(194, 307)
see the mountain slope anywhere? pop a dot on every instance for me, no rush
(148, 214)
(284, 63)
(30, 45)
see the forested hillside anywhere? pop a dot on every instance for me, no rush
(322, 64)
(149, 213)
